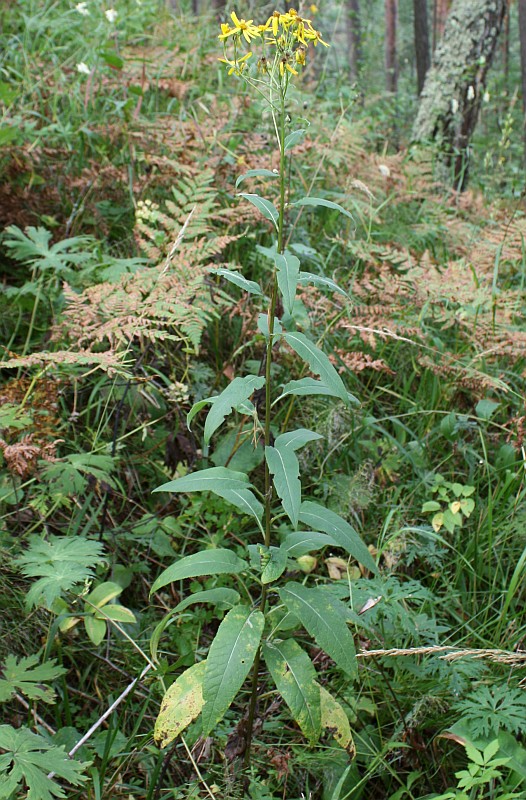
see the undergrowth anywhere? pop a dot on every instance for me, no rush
(120, 218)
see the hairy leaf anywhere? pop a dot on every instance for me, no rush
(320, 201)
(295, 678)
(229, 660)
(237, 279)
(310, 386)
(296, 439)
(268, 210)
(288, 268)
(237, 391)
(299, 543)
(257, 173)
(320, 280)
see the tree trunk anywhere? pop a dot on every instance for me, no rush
(354, 37)
(522, 36)
(454, 86)
(440, 16)
(421, 42)
(391, 64)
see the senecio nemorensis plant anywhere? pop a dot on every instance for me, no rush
(263, 627)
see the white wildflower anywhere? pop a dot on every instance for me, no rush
(486, 97)
(83, 68)
(110, 14)
(384, 170)
(454, 105)
(471, 93)
(82, 8)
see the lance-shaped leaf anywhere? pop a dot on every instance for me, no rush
(335, 721)
(319, 615)
(320, 518)
(257, 173)
(295, 678)
(181, 704)
(320, 201)
(206, 562)
(310, 386)
(274, 563)
(299, 543)
(318, 362)
(237, 391)
(320, 280)
(294, 138)
(284, 466)
(230, 658)
(293, 440)
(238, 279)
(232, 486)
(288, 267)
(267, 208)
(263, 326)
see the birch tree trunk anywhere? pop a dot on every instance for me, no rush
(421, 41)
(450, 101)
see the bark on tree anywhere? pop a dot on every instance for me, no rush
(423, 58)
(450, 101)
(354, 37)
(441, 10)
(391, 62)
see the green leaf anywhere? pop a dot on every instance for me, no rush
(320, 616)
(181, 704)
(117, 613)
(24, 676)
(295, 678)
(320, 280)
(275, 564)
(288, 268)
(196, 408)
(238, 279)
(60, 562)
(293, 139)
(238, 390)
(322, 519)
(230, 658)
(217, 597)
(26, 761)
(227, 483)
(486, 408)
(112, 60)
(257, 173)
(335, 721)
(310, 386)
(263, 326)
(206, 562)
(102, 594)
(320, 201)
(284, 466)
(95, 628)
(318, 362)
(296, 439)
(300, 543)
(430, 505)
(268, 210)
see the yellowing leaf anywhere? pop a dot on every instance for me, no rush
(437, 522)
(455, 507)
(334, 719)
(181, 704)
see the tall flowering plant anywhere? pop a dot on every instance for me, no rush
(266, 617)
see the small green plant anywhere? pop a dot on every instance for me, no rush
(453, 504)
(482, 775)
(276, 613)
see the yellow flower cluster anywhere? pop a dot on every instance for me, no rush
(289, 33)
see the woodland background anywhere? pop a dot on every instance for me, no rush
(118, 126)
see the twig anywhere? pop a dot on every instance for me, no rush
(38, 719)
(96, 725)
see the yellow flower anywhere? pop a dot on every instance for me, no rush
(313, 9)
(241, 26)
(284, 65)
(238, 65)
(300, 54)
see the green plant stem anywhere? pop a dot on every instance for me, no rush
(268, 412)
